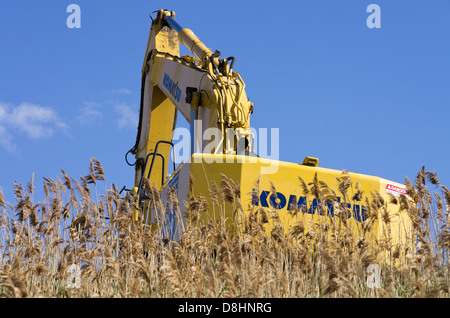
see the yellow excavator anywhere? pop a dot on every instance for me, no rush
(210, 95)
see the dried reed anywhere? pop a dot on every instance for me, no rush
(76, 243)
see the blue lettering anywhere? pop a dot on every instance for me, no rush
(279, 201)
(359, 215)
(330, 209)
(172, 87)
(302, 204)
(263, 199)
(349, 212)
(316, 206)
(292, 202)
(255, 197)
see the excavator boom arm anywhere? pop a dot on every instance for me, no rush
(202, 88)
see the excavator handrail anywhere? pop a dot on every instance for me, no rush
(154, 154)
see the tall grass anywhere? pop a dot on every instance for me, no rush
(82, 223)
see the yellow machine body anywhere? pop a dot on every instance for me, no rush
(204, 89)
(282, 195)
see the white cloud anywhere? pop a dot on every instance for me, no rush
(90, 113)
(33, 120)
(6, 139)
(3, 111)
(122, 91)
(128, 115)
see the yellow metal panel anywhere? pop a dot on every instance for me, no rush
(161, 124)
(207, 175)
(158, 110)
(275, 192)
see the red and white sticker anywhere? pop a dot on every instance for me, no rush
(395, 190)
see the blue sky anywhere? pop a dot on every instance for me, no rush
(373, 101)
